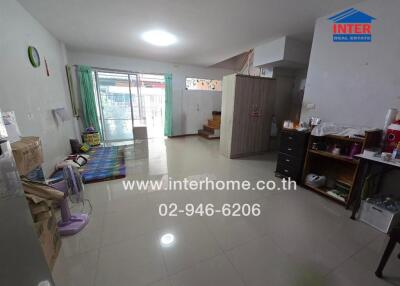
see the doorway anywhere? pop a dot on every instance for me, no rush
(129, 100)
(151, 109)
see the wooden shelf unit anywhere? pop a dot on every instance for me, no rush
(333, 156)
(341, 168)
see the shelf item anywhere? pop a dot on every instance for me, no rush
(292, 150)
(344, 182)
(348, 139)
(324, 191)
(335, 195)
(338, 167)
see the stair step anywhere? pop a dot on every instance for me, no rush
(216, 117)
(204, 133)
(209, 128)
(214, 123)
(207, 135)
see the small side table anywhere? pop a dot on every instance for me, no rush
(394, 239)
(366, 163)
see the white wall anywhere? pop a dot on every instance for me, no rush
(355, 83)
(270, 52)
(27, 90)
(191, 109)
(296, 51)
(283, 52)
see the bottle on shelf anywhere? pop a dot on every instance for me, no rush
(396, 152)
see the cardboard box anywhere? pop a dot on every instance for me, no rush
(27, 154)
(49, 238)
(41, 209)
(45, 224)
(42, 191)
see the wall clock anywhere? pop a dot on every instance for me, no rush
(34, 57)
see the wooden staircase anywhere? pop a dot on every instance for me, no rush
(211, 130)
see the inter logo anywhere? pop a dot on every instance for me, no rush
(351, 26)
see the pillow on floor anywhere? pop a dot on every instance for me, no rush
(85, 147)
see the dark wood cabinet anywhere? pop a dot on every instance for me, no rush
(292, 151)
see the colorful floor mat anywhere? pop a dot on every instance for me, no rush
(105, 163)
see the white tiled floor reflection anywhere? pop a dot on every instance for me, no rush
(300, 238)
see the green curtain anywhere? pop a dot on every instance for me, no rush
(90, 118)
(168, 105)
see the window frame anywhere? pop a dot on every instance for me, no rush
(204, 79)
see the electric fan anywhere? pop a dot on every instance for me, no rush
(72, 187)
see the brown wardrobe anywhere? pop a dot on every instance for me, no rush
(246, 114)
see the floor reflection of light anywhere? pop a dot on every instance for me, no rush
(167, 240)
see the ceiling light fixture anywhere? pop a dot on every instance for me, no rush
(159, 38)
(167, 239)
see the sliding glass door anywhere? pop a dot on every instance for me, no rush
(115, 100)
(129, 100)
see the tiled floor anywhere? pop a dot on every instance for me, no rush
(300, 238)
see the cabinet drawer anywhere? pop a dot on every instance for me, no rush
(289, 137)
(287, 160)
(288, 171)
(291, 149)
(293, 143)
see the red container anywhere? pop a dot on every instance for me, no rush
(392, 136)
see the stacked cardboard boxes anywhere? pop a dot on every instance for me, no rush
(44, 219)
(28, 156)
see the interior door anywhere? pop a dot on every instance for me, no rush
(115, 101)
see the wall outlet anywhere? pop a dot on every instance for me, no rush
(310, 106)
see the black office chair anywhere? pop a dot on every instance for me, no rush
(394, 238)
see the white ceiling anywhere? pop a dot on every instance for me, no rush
(209, 31)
